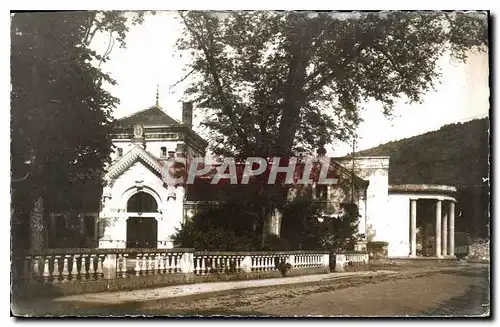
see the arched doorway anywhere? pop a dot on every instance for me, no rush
(142, 230)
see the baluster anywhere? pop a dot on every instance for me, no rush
(150, 264)
(124, 265)
(228, 265)
(217, 263)
(26, 268)
(92, 266)
(144, 266)
(36, 267)
(155, 263)
(137, 268)
(74, 268)
(65, 272)
(202, 268)
(269, 265)
(237, 263)
(162, 263)
(55, 270)
(99, 271)
(46, 271)
(172, 263)
(83, 268)
(197, 265)
(214, 268)
(168, 266)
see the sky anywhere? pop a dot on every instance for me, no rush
(151, 59)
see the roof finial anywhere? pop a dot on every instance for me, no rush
(158, 94)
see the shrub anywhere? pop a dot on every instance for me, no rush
(284, 267)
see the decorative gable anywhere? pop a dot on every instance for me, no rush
(137, 153)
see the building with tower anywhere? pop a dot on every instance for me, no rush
(139, 210)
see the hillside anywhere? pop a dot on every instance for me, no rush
(456, 154)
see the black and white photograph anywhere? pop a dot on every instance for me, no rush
(250, 163)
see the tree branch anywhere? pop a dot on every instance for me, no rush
(227, 109)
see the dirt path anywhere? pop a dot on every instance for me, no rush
(458, 291)
(406, 294)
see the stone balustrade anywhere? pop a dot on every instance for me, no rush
(70, 265)
(342, 259)
(357, 257)
(53, 266)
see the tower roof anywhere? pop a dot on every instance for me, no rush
(150, 116)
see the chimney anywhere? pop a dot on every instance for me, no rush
(187, 114)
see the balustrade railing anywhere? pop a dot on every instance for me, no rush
(357, 257)
(63, 267)
(206, 263)
(87, 265)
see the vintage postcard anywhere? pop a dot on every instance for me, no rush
(250, 163)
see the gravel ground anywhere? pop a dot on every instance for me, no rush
(424, 292)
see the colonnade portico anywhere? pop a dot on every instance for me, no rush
(444, 227)
(429, 207)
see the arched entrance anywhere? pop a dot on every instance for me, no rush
(142, 230)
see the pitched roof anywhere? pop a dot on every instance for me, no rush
(150, 116)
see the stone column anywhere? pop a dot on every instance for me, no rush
(438, 228)
(413, 227)
(451, 235)
(444, 238)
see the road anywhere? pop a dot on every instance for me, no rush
(461, 291)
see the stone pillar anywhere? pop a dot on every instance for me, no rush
(444, 238)
(451, 235)
(109, 266)
(340, 262)
(438, 228)
(246, 264)
(413, 227)
(187, 262)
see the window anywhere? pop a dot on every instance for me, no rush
(163, 152)
(120, 152)
(171, 154)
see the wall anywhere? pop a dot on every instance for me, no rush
(399, 220)
(376, 171)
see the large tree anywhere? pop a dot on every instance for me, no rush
(277, 83)
(284, 83)
(60, 112)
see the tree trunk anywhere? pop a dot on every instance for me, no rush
(37, 231)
